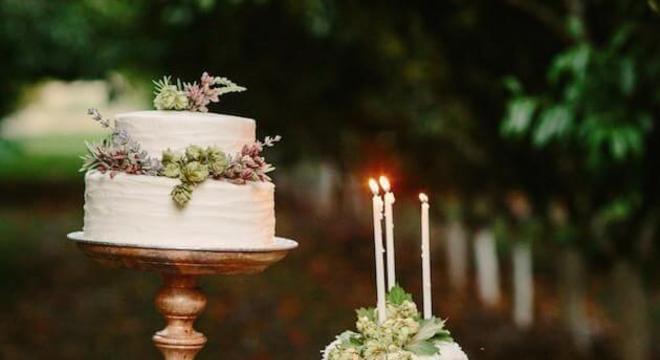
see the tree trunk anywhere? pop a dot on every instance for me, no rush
(488, 274)
(457, 255)
(523, 285)
(326, 184)
(572, 297)
(632, 310)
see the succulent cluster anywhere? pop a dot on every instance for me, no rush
(192, 167)
(402, 336)
(197, 164)
(192, 96)
(117, 153)
(120, 153)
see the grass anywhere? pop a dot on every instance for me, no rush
(43, 158)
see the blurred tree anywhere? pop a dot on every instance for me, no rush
(596, 116)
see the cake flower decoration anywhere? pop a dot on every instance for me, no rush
(192, 96)
(120, 153)
(403, 336)
(117, 153)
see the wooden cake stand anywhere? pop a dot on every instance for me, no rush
(180, 300)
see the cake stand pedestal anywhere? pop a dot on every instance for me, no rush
(180, 300)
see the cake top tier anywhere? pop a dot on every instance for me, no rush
(156, 131)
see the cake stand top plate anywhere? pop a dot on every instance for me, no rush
(185, 261)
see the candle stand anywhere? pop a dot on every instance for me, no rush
(180, 300)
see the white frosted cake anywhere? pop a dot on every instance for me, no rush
(156, 131)
(137, 209)
(180, 179)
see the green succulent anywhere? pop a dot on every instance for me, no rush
(169, 96)
(181, 194)
(171, 170)
(195, 172)
(195, 153)
(169, 156)
(196, 164)
(219, 165)
(214, 153)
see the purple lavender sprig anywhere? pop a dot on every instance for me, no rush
(249, 165)
(117, 153)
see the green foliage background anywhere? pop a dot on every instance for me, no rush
(559, 100)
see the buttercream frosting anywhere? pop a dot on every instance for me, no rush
(138, 210)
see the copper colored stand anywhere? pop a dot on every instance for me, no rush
(180, 300)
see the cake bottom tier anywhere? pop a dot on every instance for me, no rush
(138, 210)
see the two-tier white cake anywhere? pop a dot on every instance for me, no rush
(180, 177)
(137, 209)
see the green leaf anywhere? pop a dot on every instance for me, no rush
(627, 76)
(655, 5)
(575, 27)
(350, 338)
(397, 295)
(621, 36)
(429, 329)
(513, 85)
(555, 122)
(369, 313)
(519, 116)
(422, 348)
(573, 61)
(625, 141)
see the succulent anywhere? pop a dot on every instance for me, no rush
(218, 165)
(170, 96)
(171, 170)
(194, 153)
(195, 172)
(192, 96)
(181, 194)
(170, 156)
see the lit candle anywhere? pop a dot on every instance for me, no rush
(378, 250)
(426, 258)
(389, 232)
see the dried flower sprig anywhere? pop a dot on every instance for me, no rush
(117, 153)
(249, 165)
(192, 96)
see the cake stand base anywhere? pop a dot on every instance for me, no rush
(180, 300)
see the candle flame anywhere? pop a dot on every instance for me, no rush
(384, 183)
(423, 198)
(373, 185)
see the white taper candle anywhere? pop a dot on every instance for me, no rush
(378, 250)
(426, 257)
(389, 232)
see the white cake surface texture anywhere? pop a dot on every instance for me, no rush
(156, 131)
(138, 210)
